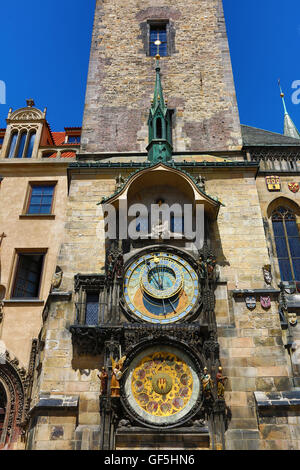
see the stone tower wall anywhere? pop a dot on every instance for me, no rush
(197, 77)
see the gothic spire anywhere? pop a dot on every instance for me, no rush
(290, 130)
(159, 123)
(158, 99)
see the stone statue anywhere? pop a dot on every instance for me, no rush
(207, 384)
(124, 423)
(211, 266)
(103, 376)
(267, 274)
(221, 380)
(114, 264)
(117, 374)
(200, 181)
(119, 182)
(119, 265)
(57, 279)
(202, 267)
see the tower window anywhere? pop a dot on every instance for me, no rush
(287, 242)
(158, 32)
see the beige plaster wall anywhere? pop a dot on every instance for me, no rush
(22, 321)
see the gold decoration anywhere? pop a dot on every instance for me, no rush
(162, 384)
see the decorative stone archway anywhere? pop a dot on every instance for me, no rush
(12, 397)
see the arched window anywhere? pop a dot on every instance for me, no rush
(22, 141)
(287, 242)
(13, 143)
(30, 145)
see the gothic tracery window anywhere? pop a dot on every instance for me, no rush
(13, 143)
(287, 242)
(21, 144)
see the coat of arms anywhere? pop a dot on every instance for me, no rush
(273, 183)
(294, 187)
(251, 302)
(265, 302)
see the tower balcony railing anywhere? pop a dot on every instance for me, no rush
(281, 162)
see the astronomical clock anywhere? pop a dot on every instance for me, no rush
(162, 294)
(161, 288)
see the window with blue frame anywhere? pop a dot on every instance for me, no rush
(158, 32)
(41, 199)
(287, 242)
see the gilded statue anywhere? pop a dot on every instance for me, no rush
(117, 374)
(221, 380)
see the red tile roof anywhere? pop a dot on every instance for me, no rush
(68, 155)
(59, 138)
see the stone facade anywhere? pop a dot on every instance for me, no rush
(244, 320)
(251, 341)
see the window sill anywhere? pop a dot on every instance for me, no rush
(35, 302)
(37, 216)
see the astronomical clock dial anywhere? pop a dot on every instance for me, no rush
(162, 386)
(161, 288)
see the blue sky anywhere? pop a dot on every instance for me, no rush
(46, 44)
